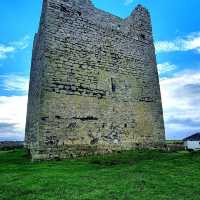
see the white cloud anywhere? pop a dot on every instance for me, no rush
(181, 103)
(6, 49)
(13, 108)
(127, 2)
(21, 44)
(187, 43)
(166, 67)
(12, 117)
(15, 83)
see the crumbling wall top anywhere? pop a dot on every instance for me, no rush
(139, 19)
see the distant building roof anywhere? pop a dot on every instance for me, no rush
(194, 137)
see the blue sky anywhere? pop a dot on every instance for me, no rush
(176, 30)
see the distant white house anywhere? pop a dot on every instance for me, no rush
(192, 143)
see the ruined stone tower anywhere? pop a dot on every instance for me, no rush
(94, 84)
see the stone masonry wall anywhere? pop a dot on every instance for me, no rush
(34, 97)
(97, 80)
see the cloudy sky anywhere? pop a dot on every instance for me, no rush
(176, 31)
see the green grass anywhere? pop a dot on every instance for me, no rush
(134, 175)
(174, 141)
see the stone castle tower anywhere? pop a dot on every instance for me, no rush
(94, 84)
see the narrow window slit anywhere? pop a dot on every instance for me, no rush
(113, 85)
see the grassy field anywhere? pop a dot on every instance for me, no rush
(139, 175)
(174, 141)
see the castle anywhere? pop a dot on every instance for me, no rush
(94, 84)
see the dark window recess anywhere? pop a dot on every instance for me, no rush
(79, 13)
(63, 9)
(125, 125)
(146, 99)
(113, 85)
(58, 117)
(44, 119)
(89, 118)
(51, 142)
(142, 36)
